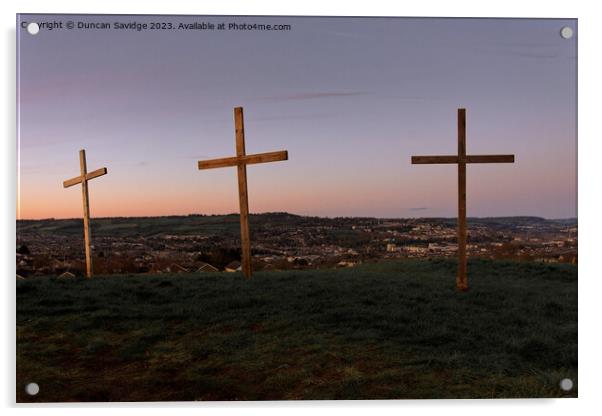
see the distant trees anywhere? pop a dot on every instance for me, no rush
(23, 249)
(220, 257)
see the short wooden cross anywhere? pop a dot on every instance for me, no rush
(461, 160)
(241, 160)
(83, 178)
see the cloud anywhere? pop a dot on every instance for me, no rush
(418, 209)
(312, 96)
(297, 117)
(353, 35)
(533, 51)
(411, 97)
(532, 55)
(200, 157)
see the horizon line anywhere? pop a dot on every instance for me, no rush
(297, 215)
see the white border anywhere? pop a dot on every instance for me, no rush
(590, 209)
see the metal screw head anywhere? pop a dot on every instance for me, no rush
(566, 32)
(33, 28)
(566, 384)
(32, 389)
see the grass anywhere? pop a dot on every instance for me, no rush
(379, 331)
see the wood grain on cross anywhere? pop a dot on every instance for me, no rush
(83, 178)
(241, 160)
(461, 159)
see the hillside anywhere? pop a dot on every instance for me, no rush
(229, 224)
(378, 331)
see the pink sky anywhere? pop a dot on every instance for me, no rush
(350, 99)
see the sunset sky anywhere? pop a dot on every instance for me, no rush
(351, 99)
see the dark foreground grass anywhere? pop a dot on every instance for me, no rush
(383, 331)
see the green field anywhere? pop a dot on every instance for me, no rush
(379, 331)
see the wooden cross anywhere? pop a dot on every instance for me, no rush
(462, 159)
(241, 160)
(83, 178)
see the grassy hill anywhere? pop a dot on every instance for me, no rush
(380, 331)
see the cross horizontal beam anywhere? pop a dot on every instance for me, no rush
(78, 179)
(423, 160)
(489, 158)
(243, 160)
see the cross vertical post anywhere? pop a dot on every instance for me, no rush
(83, 178)
(241, 160)
(461, 278)
(243, 195)
(86, 199)
(461, 159)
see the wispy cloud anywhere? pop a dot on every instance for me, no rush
(352, 35)
(532, 51)
(311, 116)
(200, 157)
(418, 209)
(312, 95)
(532, 55)
(411, 97)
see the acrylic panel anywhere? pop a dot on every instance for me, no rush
(223, 208)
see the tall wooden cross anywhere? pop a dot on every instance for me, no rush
(241, 160)
(461, 159)
(83, 178)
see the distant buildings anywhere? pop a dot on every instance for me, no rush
(233, 266)
(206, 267)
(302, 243)
(176, 268)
